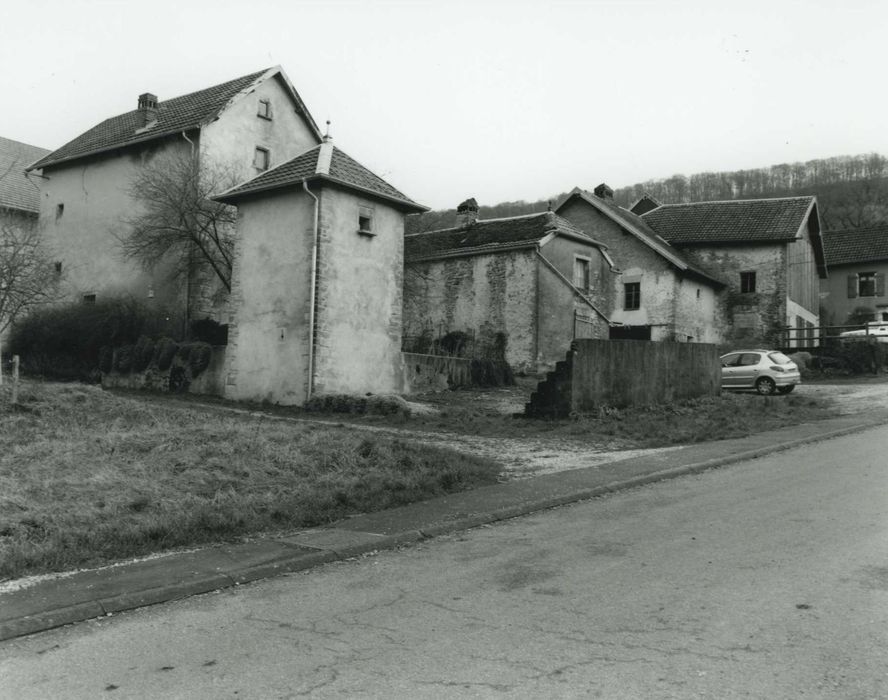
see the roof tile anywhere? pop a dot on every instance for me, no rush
(343, 169)
(733, 221)
(173, 115)
(488, 236)
(856, 245)
(16, 190)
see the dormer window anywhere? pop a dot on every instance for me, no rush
(262, 158)
(265, 109)
(365, 221)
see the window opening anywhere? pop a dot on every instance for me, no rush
(265, 109)
(866, 284)
(262, 158)
(365, 221)
(89, 298)
(582, 279)
(632, 295)
(60, 209)
(747, 282)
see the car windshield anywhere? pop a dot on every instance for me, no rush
(779, 358)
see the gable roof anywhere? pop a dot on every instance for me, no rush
(860, 245)
(172, 116)
(323, 162)
(491, 236)
(636, 226)
(16, 190)
(731, 221)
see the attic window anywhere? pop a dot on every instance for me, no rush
(265, 109)
(262, 158)
(60, 209)
(89, 298)
(58, 267)
(365, 221)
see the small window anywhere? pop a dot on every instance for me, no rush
(262, 158)
(365, 221)
(58, 267)
(632, 295)
(866, 284)
(60, 209)
(89, 298)
(747, 282)
(582, 280)
(265, 109)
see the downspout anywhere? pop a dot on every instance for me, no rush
(311, 302)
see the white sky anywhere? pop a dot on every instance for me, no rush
(496, 100)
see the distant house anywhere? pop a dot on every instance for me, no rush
(247, 125)
(519, 288)
(858, 264)
(19, 196)
(770, 253)
(316, 286)
(658, 293)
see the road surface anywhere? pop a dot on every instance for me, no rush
(764, 579)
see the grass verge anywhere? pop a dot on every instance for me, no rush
(88, 477)
(730, 415)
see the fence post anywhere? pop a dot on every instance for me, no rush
(15, 379)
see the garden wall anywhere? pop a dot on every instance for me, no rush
(438, 372)
(177, 377)
(623, 373)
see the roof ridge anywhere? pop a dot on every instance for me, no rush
(733, 201)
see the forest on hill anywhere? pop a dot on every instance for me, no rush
(852, 192)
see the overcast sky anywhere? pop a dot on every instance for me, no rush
(496, 100)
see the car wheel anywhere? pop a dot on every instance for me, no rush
(786, 389)
(765, 386)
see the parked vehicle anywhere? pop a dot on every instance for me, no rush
(874, 329)
(766, 371)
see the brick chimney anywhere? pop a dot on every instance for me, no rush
(603, 192)
(467, 212)
(148, 107)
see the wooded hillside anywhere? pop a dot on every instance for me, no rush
(852, 191)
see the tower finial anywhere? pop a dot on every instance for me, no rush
(327, 136)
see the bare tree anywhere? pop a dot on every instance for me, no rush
(177, 223)
(27, 276)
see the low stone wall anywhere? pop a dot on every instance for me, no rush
(177, 378)
(438, 372)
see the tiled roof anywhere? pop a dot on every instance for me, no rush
(342, 169)
(489, 236)
(732, 221)
(856, 245)
(173, 115)
(637, 226)
(16, 190)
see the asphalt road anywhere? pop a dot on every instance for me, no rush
(764, 579)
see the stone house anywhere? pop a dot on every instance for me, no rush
(521, 287)
(858, 264)
(770, 254)
(317, 280)
(246, 126)
(658, 293)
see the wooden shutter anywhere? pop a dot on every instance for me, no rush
(852, 286)
(880, 284)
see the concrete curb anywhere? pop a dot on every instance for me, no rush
(91, 594)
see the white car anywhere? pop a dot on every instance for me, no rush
(766, 371)
(876, 329)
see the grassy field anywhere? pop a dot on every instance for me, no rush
(88, 477)
(493, 413)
